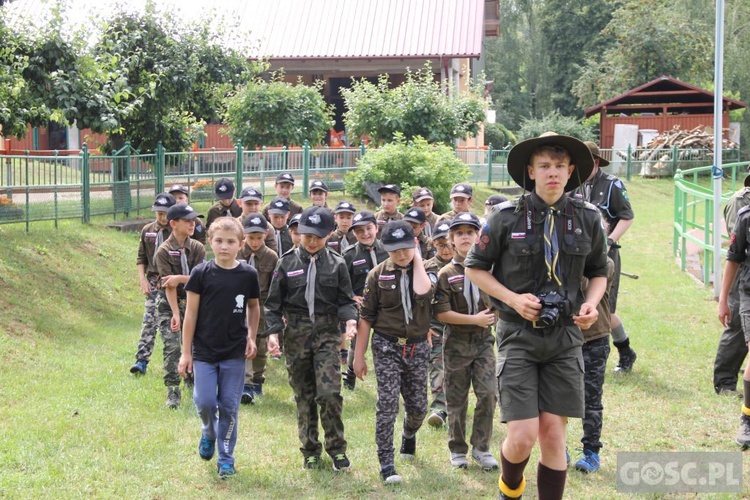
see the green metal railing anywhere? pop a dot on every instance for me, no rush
(694, 209)
(661, 163)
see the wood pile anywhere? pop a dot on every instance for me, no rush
(656, 156)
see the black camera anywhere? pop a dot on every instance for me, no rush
(553, 306)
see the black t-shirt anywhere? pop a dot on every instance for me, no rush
(221, 328)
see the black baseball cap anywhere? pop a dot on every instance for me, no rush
(466, 218)
(397, 235)
(422, 194)
(363, 218)
(178, 188)
(461, 189)
(285, 177)
(415, 215)
(344, 206)
(495, 199)
(182, 211)
(279, 206)
(441, 229)
(390, 188)
(317, 221)
(294, 221)
(250, 194)
(254, 223)
(224, 189)
(318, 186)
(162, 202)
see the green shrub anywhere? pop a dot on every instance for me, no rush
(498, 135)
(555, 122)
(410, 165)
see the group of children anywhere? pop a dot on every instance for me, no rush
(323, 285)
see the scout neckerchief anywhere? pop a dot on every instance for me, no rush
(405, 293)
(373, 256)
(251, 260)
(312, 273)
(471, 292)
(343, 244)
(551, 242)
(278, 241)
(184, 262)
(159, 241)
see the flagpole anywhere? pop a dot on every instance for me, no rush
(717, 171)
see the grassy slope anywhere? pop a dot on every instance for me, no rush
(74, 422)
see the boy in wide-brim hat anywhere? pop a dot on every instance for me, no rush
(530, 260)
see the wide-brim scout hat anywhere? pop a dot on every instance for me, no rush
(397, 235)
(317, 221)
(519, 159)
(747, 180)
(594, 149)
(254, 223)
(182, 211)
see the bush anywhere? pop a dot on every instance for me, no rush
(498, 135)
(555, 122)
(410, 165)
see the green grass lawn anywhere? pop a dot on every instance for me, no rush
(74, 422)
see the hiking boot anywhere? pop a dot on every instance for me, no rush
(589, 462)
(349, 381)
(458, 461)
(311, 462)
(340, 462)
(206, 448)
(248, 396)
(484, 459)
(625, 364)
(226, 470)
(743, 438)
(173, 397)
(389, 475)
(437, 419)
(408, 447)
(139, 367)
(257, 389)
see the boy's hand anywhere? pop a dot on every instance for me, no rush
(185, 367)
(587, 316)
(431, 333)
(724, 314)
(171, 281)
(417, 250)
(351, 329)
(485, 318)
(251, 350)
(360, 367)
(274, 349)
(175, 322)
(145, 286)
(527, 305)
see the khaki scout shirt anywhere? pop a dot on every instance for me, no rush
(608, 193)
(359, 263)
(382, 303)
(286, 296)
(433, 267)
(147, 246)
(264, 262)
(425, 246)
(334, 241)
(200, 234)
(603, 325)
(381, 218)
(449, 215)
(431, 220)
(218, 210)
(516, 259)
(270, 240)
(168, 258)
(449, 295)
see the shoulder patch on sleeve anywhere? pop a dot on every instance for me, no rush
(433, 277)
(506, 205)
(611, 177)
(590, 206)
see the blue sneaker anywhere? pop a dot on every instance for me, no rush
(139, 367)
(248, 395)
(257, 390)
(589, 462)
(226, 470)
(206, 448)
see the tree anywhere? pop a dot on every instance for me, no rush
(276, 112)
(417, 107)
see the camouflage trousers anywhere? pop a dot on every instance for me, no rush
(732, 348)
(470, 361)
(313, 365)
(595, 354)
(149, 325)
(255, 369)
(398, 369)
(172, 340)
(435, 373)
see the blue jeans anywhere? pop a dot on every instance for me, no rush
(217, 392)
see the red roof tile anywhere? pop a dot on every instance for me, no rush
(332, 29)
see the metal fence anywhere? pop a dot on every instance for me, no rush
(664, 162)
(694, 212)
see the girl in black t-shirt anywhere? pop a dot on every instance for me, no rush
(221, 322)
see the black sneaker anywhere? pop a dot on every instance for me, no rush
(743, 438)
(340, 462)
(408, 447)
(248, 396)
(349, 381)
(627, 358)
(311, 462)
(389, 475)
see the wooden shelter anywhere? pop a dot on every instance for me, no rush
(660, 105)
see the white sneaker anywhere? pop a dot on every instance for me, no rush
(458, 460)
(484, 459)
